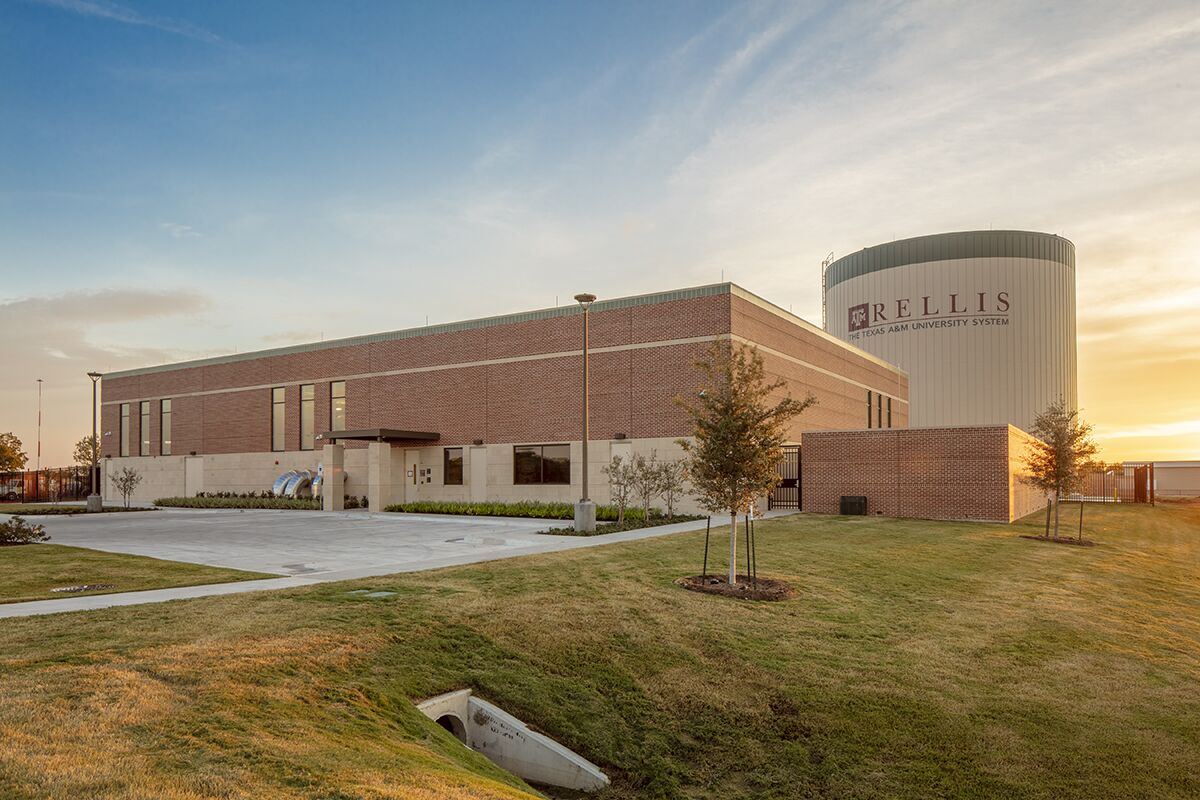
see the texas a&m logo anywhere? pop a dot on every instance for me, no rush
(859, 317)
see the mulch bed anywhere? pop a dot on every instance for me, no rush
(744, 589)
(1060, 540)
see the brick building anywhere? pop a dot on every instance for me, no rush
(486, 409)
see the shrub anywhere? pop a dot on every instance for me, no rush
(18, 531)
(229, 500)
(533, 509)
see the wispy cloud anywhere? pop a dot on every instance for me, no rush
(178, 231)
(115, 12)
(1172, 429)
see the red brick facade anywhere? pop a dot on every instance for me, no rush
(969, 473)
(508, 379)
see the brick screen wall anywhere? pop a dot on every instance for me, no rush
(511, 381)
(968, 473)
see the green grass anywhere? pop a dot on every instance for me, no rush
(920, 659)
(30, 571)
(40, 509)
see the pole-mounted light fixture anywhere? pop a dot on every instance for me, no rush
(94, 503)
(585, 509)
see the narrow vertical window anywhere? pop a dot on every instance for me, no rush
(164, 428)
(452, 466)
(308, 403)
(277, 418)
(337, 406)
(124, 451)
(879, 411)
(889, 412)
(869, 409)
(144, 428)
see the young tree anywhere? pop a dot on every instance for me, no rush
(620, 485)
(1061, 455)
(672, 481)
(12, 453)
(739, 433)
(646, 481)
(125, 482)
(87, 451)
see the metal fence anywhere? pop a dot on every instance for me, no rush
(45, 486)
(787, 493)
(1129, 483)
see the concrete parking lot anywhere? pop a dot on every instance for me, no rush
(302, 547)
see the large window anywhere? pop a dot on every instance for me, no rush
(869, 408)
(542, 463)
(452, 464)
(278, 405)
(144, 428)
(308, 402)
(337, 406)
(124, 451)
(164, 427)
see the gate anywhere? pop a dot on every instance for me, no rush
(787, 493)
(1122, 483)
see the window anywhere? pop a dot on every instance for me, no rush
(124, 451)
(879, 413)
(452, 464)
(164, 428)
(144, 428)
(337, 406)
(889, 412)
(542, 463)
(869, 409)
(277, 408)
(308, 403)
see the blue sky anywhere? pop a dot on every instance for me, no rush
(187, 179)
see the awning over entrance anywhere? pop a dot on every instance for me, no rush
(379, 435)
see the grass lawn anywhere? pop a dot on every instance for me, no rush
(919, 660)
(30, 571)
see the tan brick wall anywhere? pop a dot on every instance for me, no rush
(969, 473)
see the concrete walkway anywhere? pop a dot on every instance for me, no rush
(307, 547)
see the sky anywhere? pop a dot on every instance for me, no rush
(180, 180)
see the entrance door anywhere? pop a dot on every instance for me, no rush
(193, 475)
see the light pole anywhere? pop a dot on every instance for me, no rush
(585, 509)
(94, 503)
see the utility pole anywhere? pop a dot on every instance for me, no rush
(39, 436)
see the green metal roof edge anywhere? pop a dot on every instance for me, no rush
(432, 330)
(949, 246)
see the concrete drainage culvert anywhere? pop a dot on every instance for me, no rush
(509, 743)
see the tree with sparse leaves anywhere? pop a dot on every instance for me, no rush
(620, 485)
(1061, 455)
(126, 481)
(672, 482)
(646, 481)
(12, 453)
(87, 451)
(740, 427)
